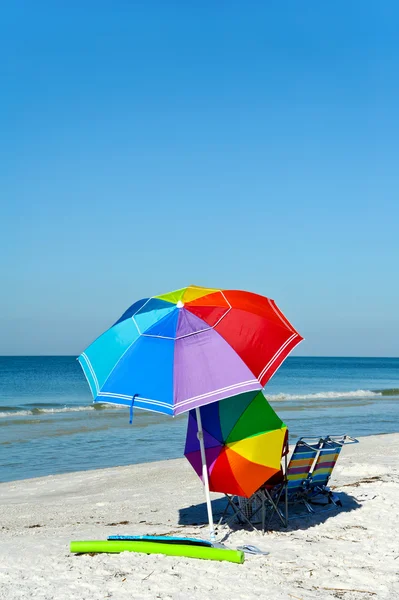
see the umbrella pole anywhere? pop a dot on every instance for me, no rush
(205, 475)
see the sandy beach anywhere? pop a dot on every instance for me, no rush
(352, 553)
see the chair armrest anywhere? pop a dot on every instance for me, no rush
(342, 439)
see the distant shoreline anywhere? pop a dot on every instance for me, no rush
(291, 356)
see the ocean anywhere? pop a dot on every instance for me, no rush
(49, 425)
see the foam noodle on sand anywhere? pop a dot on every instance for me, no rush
(235, 556)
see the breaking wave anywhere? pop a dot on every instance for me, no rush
(39, 409)
(14, 411)
(327, 395)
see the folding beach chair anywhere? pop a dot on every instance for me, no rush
(287, 484)
(291, 488)
(320, 474)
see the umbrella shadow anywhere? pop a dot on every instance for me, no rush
(196, 514)
(299, 518)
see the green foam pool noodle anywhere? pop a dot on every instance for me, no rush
(235, 556)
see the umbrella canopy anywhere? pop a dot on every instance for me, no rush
(244, 440)
(188, 348)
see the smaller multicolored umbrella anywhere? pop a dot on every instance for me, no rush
(244, 440)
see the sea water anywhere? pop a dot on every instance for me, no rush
(49, 425)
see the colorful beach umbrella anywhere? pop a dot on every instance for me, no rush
(244, 440)
(188, 348)
(183, 350)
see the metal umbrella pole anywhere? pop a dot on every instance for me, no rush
(205, 478)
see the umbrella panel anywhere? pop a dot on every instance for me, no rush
(250, 440)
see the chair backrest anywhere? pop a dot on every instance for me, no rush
(325, 462)
(301, 462)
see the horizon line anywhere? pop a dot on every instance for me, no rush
(291, 356)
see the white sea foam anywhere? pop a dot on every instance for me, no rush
(272, 397)
(323, 395)
(43, 411)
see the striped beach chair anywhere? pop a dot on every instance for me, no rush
(327, 456)
(300, 466)
(302, 481)
(292, 486)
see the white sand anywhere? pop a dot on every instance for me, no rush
(350, 554)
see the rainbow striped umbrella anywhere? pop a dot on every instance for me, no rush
(185, 349)
(244, 440)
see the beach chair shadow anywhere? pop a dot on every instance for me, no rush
(346, 504)
(196, 515)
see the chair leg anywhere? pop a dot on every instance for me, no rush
(230, 504)
(263, 515)
(282, 516)
(237, 512)
(266, 497)
(286, 488)
(310, 509)
(333, 499)
(225, 510)
(286, 504)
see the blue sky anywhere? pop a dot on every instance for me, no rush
(148, 145)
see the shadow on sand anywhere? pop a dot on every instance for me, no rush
(299, 518)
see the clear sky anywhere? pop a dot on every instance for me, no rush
(148, 145)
